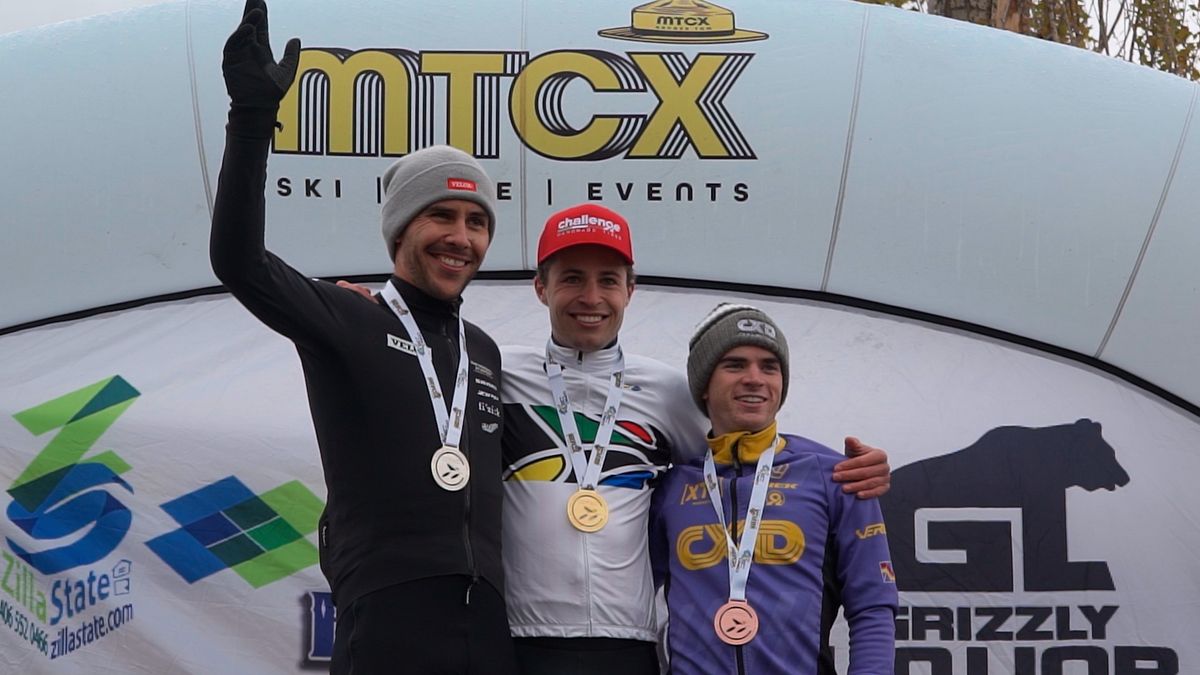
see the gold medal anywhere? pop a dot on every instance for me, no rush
(450, 468)
(736, 622)
(587, 510)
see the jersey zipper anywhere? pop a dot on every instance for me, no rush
(587, 553)
(733, 520)
(464, 446)
(467, 534)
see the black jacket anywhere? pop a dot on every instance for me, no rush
(385, 521)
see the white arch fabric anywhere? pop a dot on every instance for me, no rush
(214, 401)
(938, 166)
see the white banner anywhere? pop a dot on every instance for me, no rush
(163, 486)
(824, 145)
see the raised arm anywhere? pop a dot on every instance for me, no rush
(256, 84)
(278, 295)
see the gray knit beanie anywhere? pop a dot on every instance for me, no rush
(726, 327)
(430, 175)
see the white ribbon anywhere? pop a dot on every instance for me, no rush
(587, 473)
(741, 557)
(450, 421)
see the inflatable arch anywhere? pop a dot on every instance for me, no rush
(980, 245)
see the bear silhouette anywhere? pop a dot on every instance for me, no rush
(1008, 467)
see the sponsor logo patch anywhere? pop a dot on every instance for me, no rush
(885, 569)
(400, 344)
(588, 223)
(756, 326)
(871, 530)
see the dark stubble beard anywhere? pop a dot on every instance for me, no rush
(418, 273)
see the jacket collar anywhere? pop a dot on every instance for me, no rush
(420, 301)
(602, 361)
(749, 445)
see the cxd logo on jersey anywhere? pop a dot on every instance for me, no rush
(979, 546)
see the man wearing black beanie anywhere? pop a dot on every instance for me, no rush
(399, 391)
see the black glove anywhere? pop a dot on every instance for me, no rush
(252, 77)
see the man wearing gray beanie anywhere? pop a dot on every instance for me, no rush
(401, 391)
(427, 176)
(764, 607)
(726, 327)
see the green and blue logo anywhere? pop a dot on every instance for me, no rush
(225, 525)
(54, 496)
(67, 502)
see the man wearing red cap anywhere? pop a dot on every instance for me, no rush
(589, 430)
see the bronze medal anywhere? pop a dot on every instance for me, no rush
(736, 622)
(587, 510)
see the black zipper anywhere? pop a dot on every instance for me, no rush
(464, 447)
(733, 520)
(467, 532)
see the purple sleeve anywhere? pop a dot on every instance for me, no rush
(659, 550)
(869, 595)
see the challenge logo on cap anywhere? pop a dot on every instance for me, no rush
(461, 184)
(585, 224)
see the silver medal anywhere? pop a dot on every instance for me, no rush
(450, 468)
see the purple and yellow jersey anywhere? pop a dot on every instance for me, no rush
(809, 529)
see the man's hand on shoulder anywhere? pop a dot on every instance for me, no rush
(357, 288)
(252, 77)
(866, 473)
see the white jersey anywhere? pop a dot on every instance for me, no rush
(562, 582)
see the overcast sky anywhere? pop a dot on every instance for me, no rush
(21, 14)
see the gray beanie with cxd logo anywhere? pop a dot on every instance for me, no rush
(726, 327)
(430, 175)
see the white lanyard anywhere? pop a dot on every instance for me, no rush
(741, 557)
(450, 423)
(588, 474)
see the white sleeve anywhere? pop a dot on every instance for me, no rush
(685, 424)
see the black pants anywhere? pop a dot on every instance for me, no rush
(585, 656)
(425, 627)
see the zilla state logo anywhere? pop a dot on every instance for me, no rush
(64, 586)
(979, 546)
(65, 582)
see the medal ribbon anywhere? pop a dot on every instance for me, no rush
(450, 422)
(742, 557)
(588, 474)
